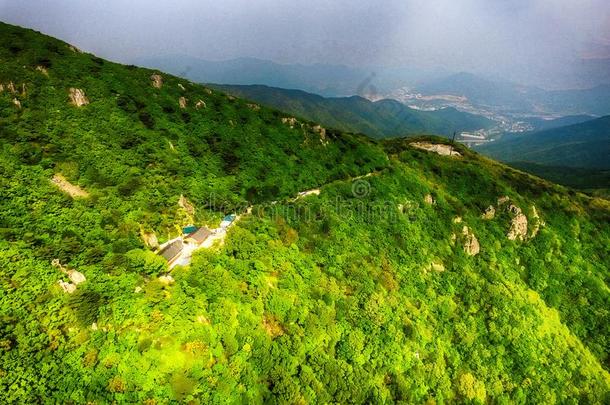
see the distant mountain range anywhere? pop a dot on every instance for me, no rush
(584, 145)
(378, 82)
(540, 124)
(326, 80)
(379, 119)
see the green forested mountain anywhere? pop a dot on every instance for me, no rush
(431, 278)
(584, 145)
(593, 181)
(540, 124)
(380, 119)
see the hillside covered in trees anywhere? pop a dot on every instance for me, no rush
(378, 119)
(411, 276)
(585, 145)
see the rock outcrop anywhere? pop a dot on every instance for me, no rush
(519, 222)
(42, 70)
(490, 213)
(429, 200)
(76, 277)
(150, 239)
(182, 102)
(157, 80)
(321, 131)
(471, 243)
(184, 203)
(518, 227)
(78, 97)
(67, 287)
(290, 121)
(17, 103)
(11, 88)
(513, 209)
(439, 148)
(200, 104)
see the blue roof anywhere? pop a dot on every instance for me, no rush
(189, 229)
(229, 218)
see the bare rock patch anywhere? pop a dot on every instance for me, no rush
(490, 213)
(184, 203)
(78, 97)
(182, 102)
(441, 149)
(157, 80)
(518, 227)
(42, 70)
(64, 185)
(471, 243)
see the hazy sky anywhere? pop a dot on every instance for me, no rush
(524, 40)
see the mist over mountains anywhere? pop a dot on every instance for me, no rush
(557, 44)
(378, 83)
(323, 79)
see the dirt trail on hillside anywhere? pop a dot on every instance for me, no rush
(69, 188)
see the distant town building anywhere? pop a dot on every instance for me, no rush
(172, 251)
(228, 220)
(472, 136)
(189, 229)
(198, 237)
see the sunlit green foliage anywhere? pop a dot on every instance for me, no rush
(330, 298)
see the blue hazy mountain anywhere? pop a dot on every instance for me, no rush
(324, 79)
(584, 145)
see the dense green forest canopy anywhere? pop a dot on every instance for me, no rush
(398, 286)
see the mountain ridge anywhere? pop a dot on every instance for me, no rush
(583, 145)
(382, 118)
